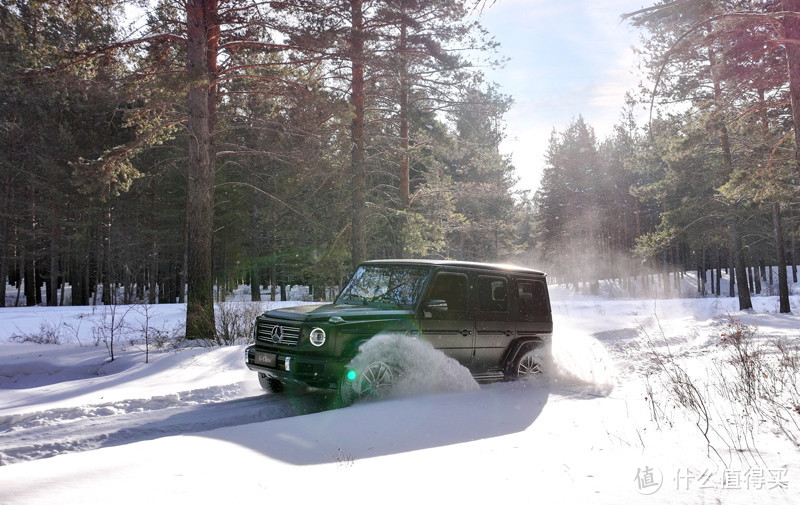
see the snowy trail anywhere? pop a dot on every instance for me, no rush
(44, 434)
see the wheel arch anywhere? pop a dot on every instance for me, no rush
(518, 348)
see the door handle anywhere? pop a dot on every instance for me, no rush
(508, 333)
(465, 333)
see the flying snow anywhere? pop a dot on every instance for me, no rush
(579, 362)
(424, 370)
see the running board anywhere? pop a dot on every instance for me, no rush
(488, 377)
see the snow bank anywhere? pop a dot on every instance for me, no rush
(194, 426)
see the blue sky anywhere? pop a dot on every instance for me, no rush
(566, 58)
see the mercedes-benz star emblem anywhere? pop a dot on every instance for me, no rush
(277, 334)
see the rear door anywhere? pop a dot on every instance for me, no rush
(494, 327)
(533, 316)
(453, 330)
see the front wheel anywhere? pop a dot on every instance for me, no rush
(375, 381)
(270, 384)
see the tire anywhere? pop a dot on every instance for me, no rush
(527, 365)
(375, 381)
(271, 384)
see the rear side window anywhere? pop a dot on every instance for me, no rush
(533, 302)
(492, 294)
(454, 289)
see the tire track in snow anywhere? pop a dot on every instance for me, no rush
(30, 436)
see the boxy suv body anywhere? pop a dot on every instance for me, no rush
(493, 319)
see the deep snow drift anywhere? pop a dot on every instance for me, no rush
(601, 426)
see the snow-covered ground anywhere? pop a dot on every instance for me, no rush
(193, 426)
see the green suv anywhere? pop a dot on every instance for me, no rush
(493, 319)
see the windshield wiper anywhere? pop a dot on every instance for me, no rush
(390, 295)
(354, 299)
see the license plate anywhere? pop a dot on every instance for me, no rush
(265, 359)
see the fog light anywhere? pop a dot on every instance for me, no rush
(351, 375)
(286, 362)
(317, 337)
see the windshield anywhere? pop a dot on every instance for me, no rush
(396, 285)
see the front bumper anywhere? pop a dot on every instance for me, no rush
(294, 368)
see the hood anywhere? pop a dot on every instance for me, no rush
(325, 312)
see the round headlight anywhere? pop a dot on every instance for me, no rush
(317, 337)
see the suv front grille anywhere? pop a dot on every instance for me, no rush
(277, 333)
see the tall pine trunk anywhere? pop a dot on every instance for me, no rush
(4, 240)
(777, 226)
(791, 27)
(783, 281)
(358, 241)
(405, 177)
(202, 44)
(740, 268)
(255, 278)
(405, 162)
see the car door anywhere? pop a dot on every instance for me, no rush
(450, 329)
(533, 317)
(494, 327)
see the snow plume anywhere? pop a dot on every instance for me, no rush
(580, 363)
(423, 369)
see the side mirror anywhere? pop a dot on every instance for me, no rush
(435, 306)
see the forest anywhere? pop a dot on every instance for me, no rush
(168, 151)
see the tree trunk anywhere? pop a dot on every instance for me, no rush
(52, 280)
(783, 282)
(30, 278)
(184, 274)
(5, 232)
(3, 262)
(404, 122)
(255, 270)
(108, 290)
(202, 43)
(740, 269)
(405, 169)
(794, 259)
(358, 241)
(791, 27)
(711, 272)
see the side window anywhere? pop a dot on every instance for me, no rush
(492, 294)
(532, 301)
(454, 289)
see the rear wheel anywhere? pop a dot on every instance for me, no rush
(270, 384)
(527, 365)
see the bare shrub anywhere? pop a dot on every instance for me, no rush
(49, 333)
(343, 460)
(111, 328)
(780, 386)
(746, 359)
(680, 388)
(235, 322)
(147, 332)
(74, 329)
(160, 338)
(754, 385)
